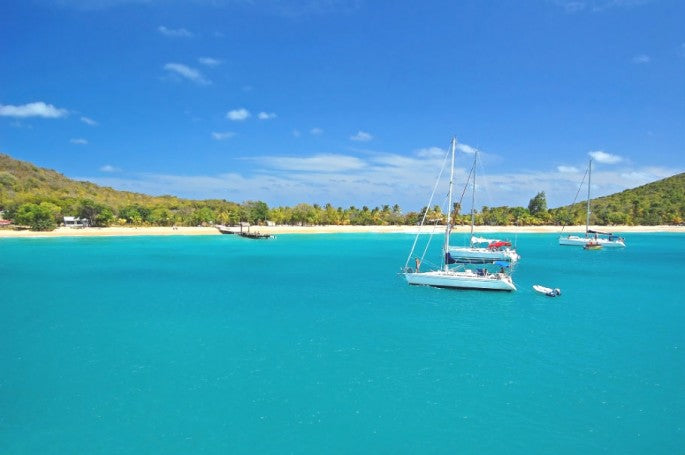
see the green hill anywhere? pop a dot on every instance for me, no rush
(24, 184)
(21, 182)
(660, 202)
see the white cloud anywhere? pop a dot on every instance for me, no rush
(361, 136)
(316, 131)
(396, 162)
(642, 176)
(641, 59)
(466, 148)
(431, 152)
(296, 9)
(238, 115)
(109, 168)
(376, 179)
(266, 115)
(89, 121)
(437, 152)
(91, 5)
(220, 136)
(209, 61)
(18, 124)
(296, 133)
(187, 73)
(79, 141)
(572, 6)
(604, 157)
(316, 163)
(567, 169)
(601, 5)
(597, 6)
(176, 33)
(37, 109)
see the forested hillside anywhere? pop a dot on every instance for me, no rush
(39, 198)
(25, 188)
(660, 202)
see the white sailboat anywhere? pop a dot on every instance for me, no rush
(600, 238)
(482, 250)
(447, 275)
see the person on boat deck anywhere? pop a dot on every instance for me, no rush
(418, 263)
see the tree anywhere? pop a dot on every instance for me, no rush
(104, 218)
(96, 214)
(39, 217)
(205, 215)
(88, 209)
(538, 204)
(281, 215)
(132, 214)
(256, 211)
(7, 181)
(617, 217)
(330, 215)
(304, 214)
(563, 217)
(161, 216)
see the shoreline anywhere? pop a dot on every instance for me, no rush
(276, 230)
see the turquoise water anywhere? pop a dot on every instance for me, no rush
(313, 344)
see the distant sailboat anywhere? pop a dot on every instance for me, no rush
(482, 250)
(592, 237)
(447, 275)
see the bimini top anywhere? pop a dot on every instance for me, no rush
(590, 231)
(498, 244)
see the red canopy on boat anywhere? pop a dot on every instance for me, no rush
(498, 244)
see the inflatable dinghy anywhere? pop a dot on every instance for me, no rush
(547, 291)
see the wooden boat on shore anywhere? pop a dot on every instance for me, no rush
(247, 234)
(255, 235)
(225, 229)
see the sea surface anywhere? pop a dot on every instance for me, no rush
(313, 344)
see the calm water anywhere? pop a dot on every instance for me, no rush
(313, 344)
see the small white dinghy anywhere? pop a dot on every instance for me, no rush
(549, 292)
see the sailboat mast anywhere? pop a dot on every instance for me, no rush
(446, 248)
(473, 197)
(587, 216)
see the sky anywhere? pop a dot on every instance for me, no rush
(349, 102)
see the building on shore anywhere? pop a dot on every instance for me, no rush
(74, 222)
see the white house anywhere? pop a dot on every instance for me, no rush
(73, 222)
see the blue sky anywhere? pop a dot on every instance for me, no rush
(345, 101)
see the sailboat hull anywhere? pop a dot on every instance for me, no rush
(455, 278)
(461, 280)
(468, 255)
(576, 240)
(610, 241)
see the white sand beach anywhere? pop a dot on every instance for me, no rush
(275, 230)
